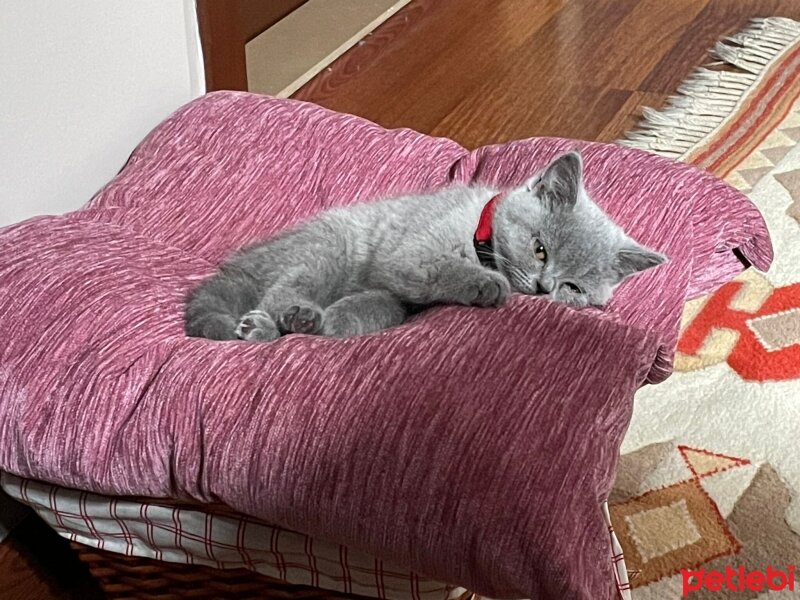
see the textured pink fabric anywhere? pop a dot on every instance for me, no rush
(473, 445)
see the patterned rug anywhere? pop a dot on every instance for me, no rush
(710, 473)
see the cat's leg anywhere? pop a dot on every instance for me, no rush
(451, 282)
(464, 282)
(283, 309)
(362, 313)
(257, 326)
(302, 316)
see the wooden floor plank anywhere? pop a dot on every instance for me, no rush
(628, 115)
(547, 88)
(420, 76)
(483, 72)
(476, 121)
(717, 19)
(626, 55)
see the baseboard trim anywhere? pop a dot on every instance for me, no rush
(290, 53)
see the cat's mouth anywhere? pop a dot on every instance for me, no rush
(531, 285)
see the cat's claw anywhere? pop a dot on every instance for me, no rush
(301, 319)
(257, 326)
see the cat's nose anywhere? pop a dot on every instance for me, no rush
(542, 289)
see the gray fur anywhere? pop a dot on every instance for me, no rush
(363, 268)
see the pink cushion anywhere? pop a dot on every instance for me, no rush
(472, 445)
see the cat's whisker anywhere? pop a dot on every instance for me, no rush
(513, 270)
(497, 257)
(523, 277)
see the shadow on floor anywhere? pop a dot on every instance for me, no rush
(38, 564)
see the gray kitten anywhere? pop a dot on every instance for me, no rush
(365, 267)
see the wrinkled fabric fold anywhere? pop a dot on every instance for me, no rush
(475, 446)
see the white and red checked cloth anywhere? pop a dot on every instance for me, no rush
(193, 535)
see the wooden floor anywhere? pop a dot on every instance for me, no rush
(479, 71)
(484, 71)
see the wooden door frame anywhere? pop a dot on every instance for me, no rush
(225, 27)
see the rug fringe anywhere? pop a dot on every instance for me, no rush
(708, 96)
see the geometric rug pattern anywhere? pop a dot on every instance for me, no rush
(709, 475)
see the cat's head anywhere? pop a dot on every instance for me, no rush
(551, 239)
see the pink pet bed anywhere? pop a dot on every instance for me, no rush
(473, 446)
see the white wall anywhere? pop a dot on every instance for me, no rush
(81, 82)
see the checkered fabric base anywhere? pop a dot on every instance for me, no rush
(618, 559)
(190, 535)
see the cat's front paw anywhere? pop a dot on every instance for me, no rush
(301, 318)
(492, 290)
(257, 326)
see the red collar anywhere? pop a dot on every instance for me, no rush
(483, 233)
(482, 240)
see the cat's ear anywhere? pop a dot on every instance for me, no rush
(561, 182)
(632, 258)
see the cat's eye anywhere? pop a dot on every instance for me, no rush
(572, 287)
(539, 251)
